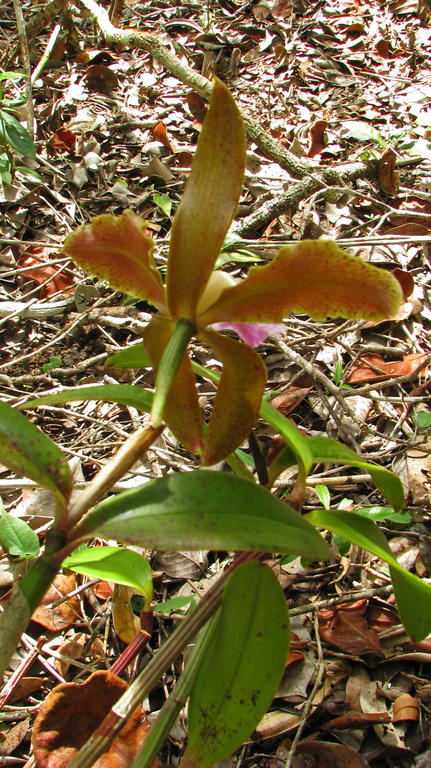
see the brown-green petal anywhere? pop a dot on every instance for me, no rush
(208, 204)
(117, 249)
(182, 413)
(315, 277)
(238, 399)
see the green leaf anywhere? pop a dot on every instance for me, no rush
(384, 513)
(16, 135)
(164, 202)
(170, 606)
(17, 537)
(295, 441)
(133, 357)
(54, 362)
(201, 510)
(364, 132)
(423, 419)
(413, 595)
(122, 566)
(323, 494)
(28, 172)
(29, 453)
(123, 394)
(326, 450)
(242, 666)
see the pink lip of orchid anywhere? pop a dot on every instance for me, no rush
(315, 277)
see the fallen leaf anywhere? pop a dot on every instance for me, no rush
(197, 106)
(346, 627)
(361, 372)
(387, 176)
(41, 271)
(63, 615)
(286, 402)
(160, 134)
(71, 714)
(405, 280)
(328, 755)
(100, 78)
(318, 140)
(14, 737)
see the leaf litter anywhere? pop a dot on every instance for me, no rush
(344, 87)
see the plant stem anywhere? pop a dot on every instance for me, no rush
(169, 365)
(125, 457)
(176, 701)
(103, 737)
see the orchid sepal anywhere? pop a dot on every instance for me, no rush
(312, 277)
(208, 204)
(118, 250)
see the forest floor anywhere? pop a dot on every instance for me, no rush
(342, 85)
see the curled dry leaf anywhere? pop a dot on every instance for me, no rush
(63, 615)
(387, 176)
(55, 742)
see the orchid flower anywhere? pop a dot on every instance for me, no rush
(315, 277)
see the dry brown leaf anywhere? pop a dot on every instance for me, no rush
(71, 714)
(361, 372)
(63, 615)
(346, 627)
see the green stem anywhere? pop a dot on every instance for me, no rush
(169, 365)
(176, 701)
(105, 734)
(25, 598)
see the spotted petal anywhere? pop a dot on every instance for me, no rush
(182, 412)
(315, 277)
(117, 250)
(238, 399)
(208, 204)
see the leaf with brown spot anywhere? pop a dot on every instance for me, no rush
(56, 741)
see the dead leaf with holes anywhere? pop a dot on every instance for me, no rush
(71, 714)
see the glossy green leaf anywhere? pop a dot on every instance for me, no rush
(242, 666)
(295, 441)
(208, 204)
(313, 276)
(123, 394)
(29, 453)
(132, 357)
(16, 135)
(326, 450)
(122, 566)
(17, 537)
(118, 250)
(238, 398)
(413, 594)
(204, 510)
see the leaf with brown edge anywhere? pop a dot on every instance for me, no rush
(182, 413)
(315, 277)
(118, 250)
(208, 204)
(70, 715)
(238, 399)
